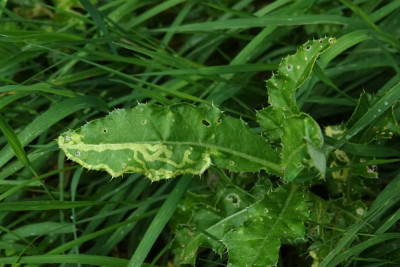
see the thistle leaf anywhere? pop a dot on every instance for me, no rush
(279, 214)
(209, 222)
(297, 133)
(384, 121)
(301, 144)
(293, 71)
(383, 128)
(162, 142)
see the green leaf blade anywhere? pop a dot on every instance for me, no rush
(162, 142)
(297, 134)
(15, 144)
(279, 214)
(208, 224)
(293, 71)
(301, 135)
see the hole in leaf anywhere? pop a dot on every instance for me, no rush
(289, 67)
(234, 198)
(320, 41)
(144, 122)
(308, 47)
(320, 191)
(219, 120)
(77, 153)
(299, 165)
(105, 131)
(206, 123)
(372, 168)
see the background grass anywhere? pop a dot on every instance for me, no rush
(66, 62)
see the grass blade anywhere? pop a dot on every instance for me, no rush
(94, 13)
(46, 205)
(386, 199)
(385, 102)
(94, 260)
(242, 23)
(160, 220)
(15, 144)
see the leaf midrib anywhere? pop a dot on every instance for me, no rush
(118, 146)
(279, 219)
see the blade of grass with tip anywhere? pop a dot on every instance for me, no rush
(15, 144)
(160, 220)
(96, 16)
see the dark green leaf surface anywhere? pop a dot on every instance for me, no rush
(208, 224)
(279, 215)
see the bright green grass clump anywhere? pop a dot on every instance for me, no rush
(309, 159)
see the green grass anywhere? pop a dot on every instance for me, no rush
(67, 62)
